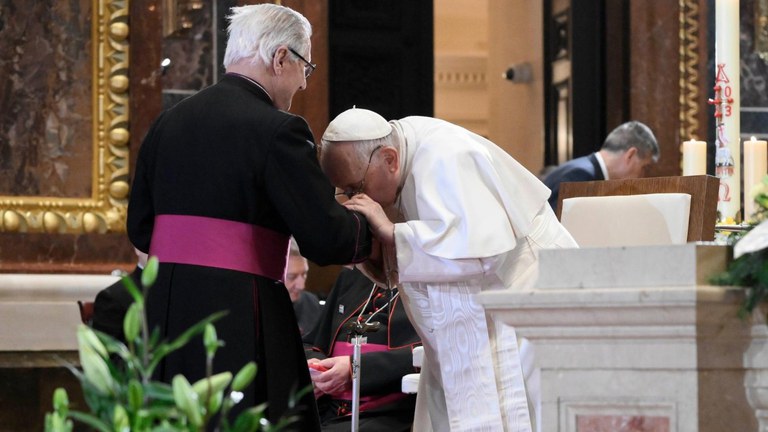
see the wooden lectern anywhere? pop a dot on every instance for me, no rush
(703, 190)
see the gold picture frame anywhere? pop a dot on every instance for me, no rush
(689, 72)
(105, 210)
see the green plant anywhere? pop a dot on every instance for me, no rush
(117, 383)
(751, 271)
(750, 266)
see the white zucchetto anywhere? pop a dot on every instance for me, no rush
(357, 124)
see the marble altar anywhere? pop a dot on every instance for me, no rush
(634, 339)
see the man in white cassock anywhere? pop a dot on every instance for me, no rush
(455, 216)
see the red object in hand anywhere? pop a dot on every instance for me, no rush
(318, 367)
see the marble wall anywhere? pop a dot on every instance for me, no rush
(754, 75)
(45, 98)
(605, 423)
(196, 50)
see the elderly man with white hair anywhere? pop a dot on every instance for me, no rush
(455, 215)
(223, 179)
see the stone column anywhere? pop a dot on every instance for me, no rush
(756, 365)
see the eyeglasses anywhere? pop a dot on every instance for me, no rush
(308, 67)
(359, 190)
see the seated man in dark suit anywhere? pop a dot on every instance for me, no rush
(385, 359)
(626, 153)
(113, 302)
(306, 305)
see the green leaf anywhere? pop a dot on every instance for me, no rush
(215, 402)
(133, 290)
(166, 348)
(132, 322)
(149, 274)
(244, 377)
(247, 422)
(210, 385)
(186, 400)
(159, 392)
(91, 421)
(135, 395)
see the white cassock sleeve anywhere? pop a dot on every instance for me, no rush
(473, 202)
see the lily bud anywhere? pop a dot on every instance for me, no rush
(60, 401)
(86, 337)
(210, 341)
(132, 322)
(120, 419)
(186, 400)
(96, 370)
(149, 274)
(244, 377)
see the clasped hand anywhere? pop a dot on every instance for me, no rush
(380, 224)
(336, 379)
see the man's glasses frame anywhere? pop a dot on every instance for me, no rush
(308, 67)
(358, 190)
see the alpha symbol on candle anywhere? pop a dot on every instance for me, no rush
(721, 76)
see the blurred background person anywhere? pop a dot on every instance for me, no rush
(306, 305)
(627, 152)
(113, 302)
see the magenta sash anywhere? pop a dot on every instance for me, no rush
(219, 243)
(366, 402)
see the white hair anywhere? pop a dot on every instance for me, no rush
(294, 249)
(257, 31)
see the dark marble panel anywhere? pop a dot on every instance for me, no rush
(754, 123)
(45, 98)
(26, 395)
(197, 52)
(146, 83)
(754, 69)
(191, 51)
(172, 98)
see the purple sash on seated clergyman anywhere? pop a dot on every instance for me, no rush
(219, 243)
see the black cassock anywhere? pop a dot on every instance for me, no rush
(381, 372)
(227, 155)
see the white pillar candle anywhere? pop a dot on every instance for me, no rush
(694, 158)
(727, 160)
(755, 168)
